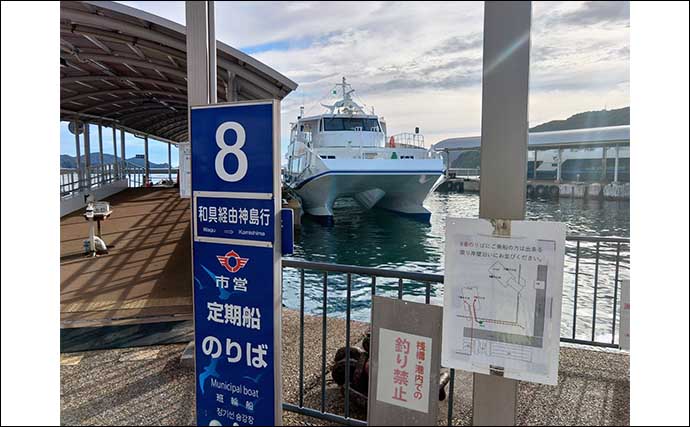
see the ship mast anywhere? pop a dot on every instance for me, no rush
(346, 105)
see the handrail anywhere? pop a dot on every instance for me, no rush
(75, 180)
(607, 239)
(366, 271)
(420, 285)
(411, 140)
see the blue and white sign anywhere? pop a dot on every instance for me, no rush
(236, 262)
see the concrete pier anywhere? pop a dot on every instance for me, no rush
(617, 191)
(550, 189)
(572, 190)
(595, 190)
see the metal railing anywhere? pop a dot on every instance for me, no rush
(73, 180)
(599, 251)
(408, 140)
(462, 172)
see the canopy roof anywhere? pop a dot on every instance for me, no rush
(122, 66)
(575, 138)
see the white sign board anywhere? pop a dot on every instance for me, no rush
(624, 338)
(502, 298)
(404, 368)
(405, 363)
(184, 150)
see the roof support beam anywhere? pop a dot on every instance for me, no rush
(163, 126)
(135, 30)
(178, 135)
(123, 92)
(136, 50)
(133, 62)
(251, 77)
(123, 39)
(98, 43)
(136, 101)
(155, 119)
(136, 112)
(173, 129)
(121, 79)
(75, 115)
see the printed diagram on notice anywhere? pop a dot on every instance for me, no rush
(502, 303)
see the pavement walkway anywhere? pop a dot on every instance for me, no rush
(149, 386)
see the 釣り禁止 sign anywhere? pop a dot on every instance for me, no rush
(236, 262)
(405, 362)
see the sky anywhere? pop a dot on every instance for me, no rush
(158, 151)
(419, 64)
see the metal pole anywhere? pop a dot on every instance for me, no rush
(201, 80)
(146, 160)
(603, 164)
(115, 162)
(169, 162)
(122, 152)
(198, 87)
(78, 150)
(534, 168)
(232, 87)
(211, 37)
(87, 154)
(560, 161)
(505, 90)
(615, 165)
(101, 167)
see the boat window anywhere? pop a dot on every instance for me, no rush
(350, 124)
(371, 125)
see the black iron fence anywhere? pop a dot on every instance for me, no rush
(596, 266)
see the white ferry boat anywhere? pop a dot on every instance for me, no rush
(345, 152)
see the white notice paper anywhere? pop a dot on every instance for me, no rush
(502, 298)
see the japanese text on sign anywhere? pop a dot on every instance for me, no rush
(403, 369)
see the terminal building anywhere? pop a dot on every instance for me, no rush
(582, 153)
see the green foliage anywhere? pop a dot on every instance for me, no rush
(588, 119)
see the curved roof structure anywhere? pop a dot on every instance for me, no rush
(128, 68)
(574, 138)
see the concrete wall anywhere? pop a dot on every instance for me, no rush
(76, 202)
(617, 191)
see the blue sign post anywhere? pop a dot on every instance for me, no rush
(236, 261)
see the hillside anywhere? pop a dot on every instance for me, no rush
(70, 162)
(588, 119)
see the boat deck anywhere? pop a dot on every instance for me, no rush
(145, 277)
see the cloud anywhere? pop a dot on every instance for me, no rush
(420, 63)
(592, 13)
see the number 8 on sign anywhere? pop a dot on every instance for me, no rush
(235, 150)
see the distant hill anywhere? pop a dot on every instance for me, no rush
(588, 119)
(70, 162)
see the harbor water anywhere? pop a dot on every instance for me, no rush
(381, 239)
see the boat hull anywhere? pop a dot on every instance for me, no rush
(402, 192)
